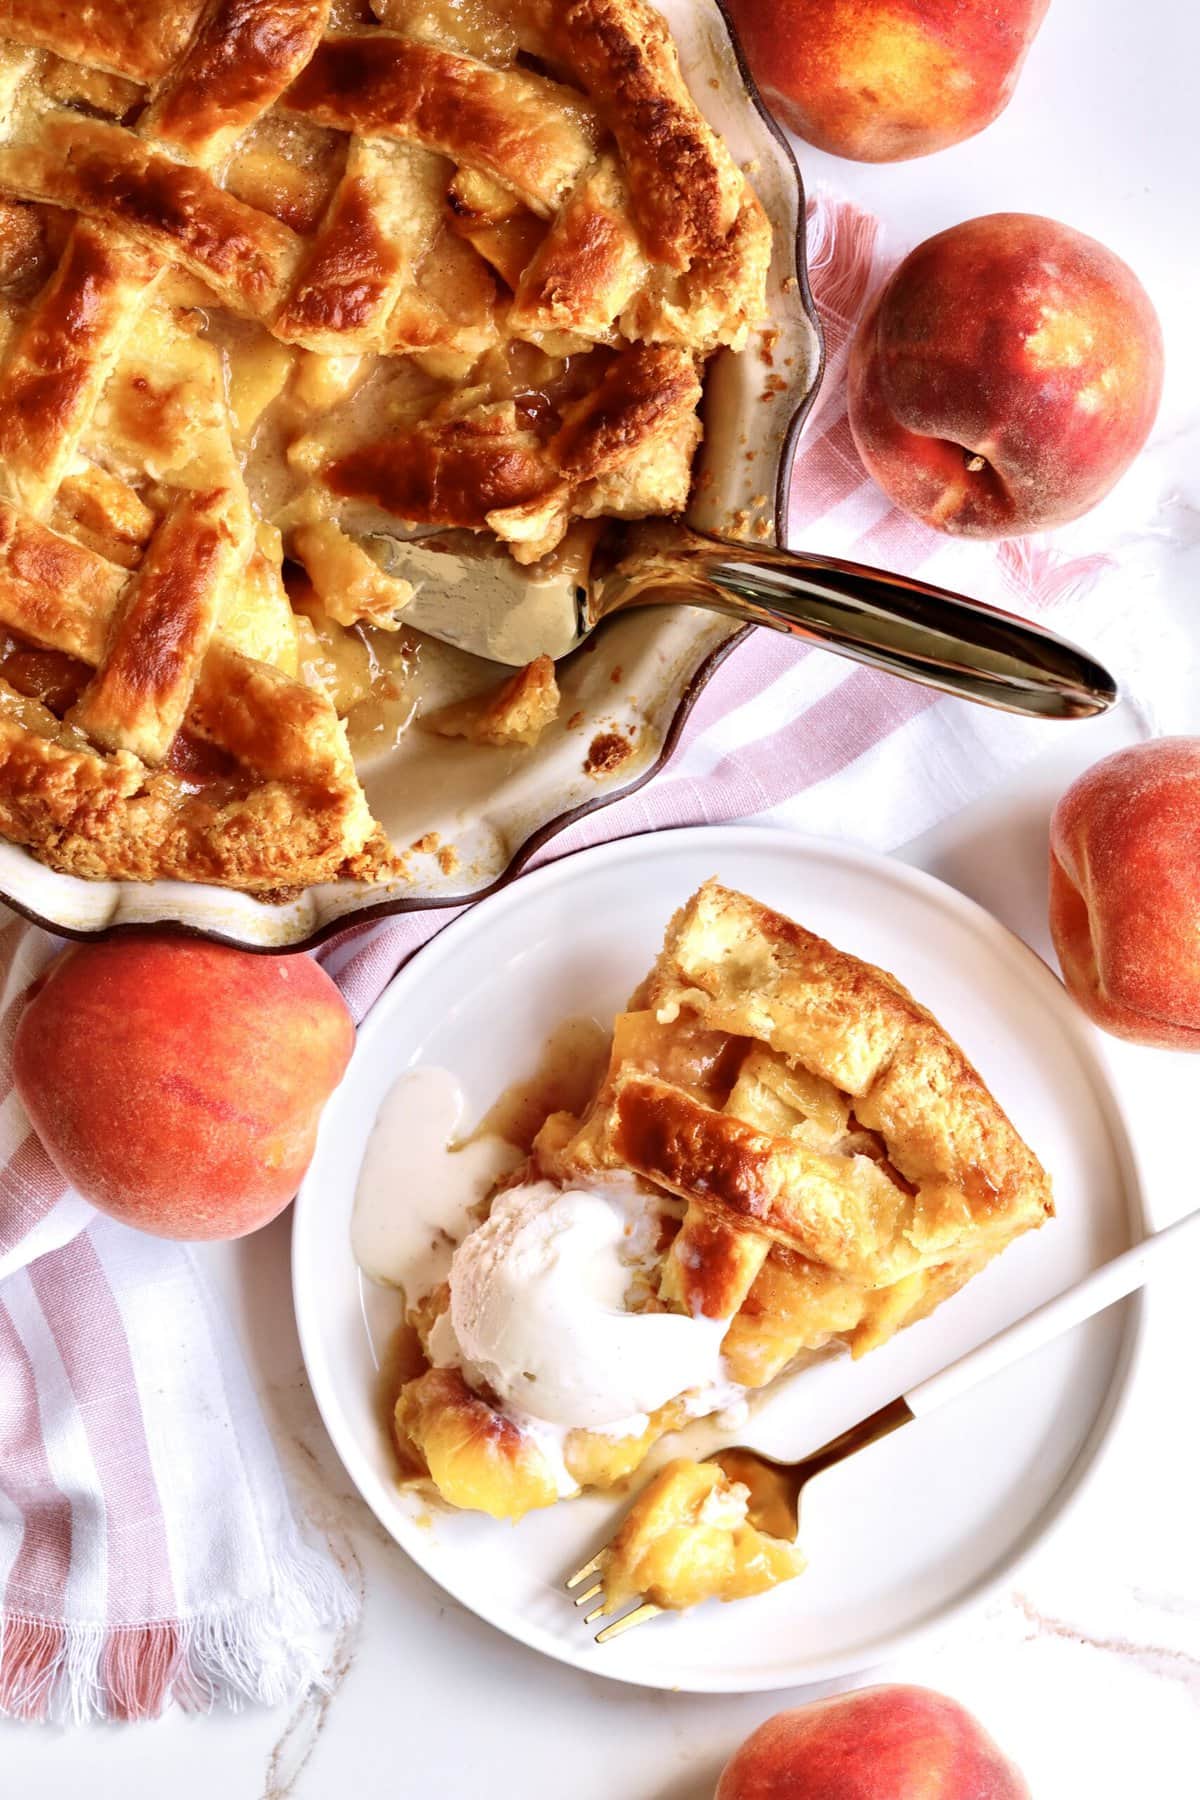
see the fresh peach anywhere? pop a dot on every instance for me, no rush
(178, 1084)
(1125, 892)
(1005, 377)
(882, 80)
(883, 1743)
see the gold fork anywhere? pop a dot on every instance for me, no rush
(775, 1487)
(773, 1506)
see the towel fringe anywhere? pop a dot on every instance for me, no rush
(1041, 576)
(266, 1651)
(843, 249)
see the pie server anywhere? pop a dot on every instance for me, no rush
(471, 594)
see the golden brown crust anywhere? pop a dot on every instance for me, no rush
(587, 267)
(646, 394)
(686, 188)
(23, 248)
(350, 278)
(57, 364)
(516, 126)
(104, 172)
(141, 38)
(844, 1165)
(843, 1212)
(241, 60)
(357, 289)
(140, 696)
(53, 591)
(516, 712)
(487, 469)
(512, 237)
(284, 803)
(454, 473)
(737, 966)
(109, 818)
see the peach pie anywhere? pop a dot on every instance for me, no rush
(786, 1156)
(275, 274)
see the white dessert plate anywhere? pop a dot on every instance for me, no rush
(921, 1524)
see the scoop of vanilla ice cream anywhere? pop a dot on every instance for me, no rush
(536, 1298)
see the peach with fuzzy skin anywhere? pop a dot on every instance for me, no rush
(177, 1084)
(884, 80)
(884, 1743)
(1125, 892)
(1005, 376)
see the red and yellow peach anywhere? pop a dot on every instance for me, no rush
(1005, 377)
(1125, 892)
(883, 1743)
(178, 1084)
(882, 80)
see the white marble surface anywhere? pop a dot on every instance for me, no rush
(1087, 1667)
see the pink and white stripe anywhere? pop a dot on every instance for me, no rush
(147, 1547)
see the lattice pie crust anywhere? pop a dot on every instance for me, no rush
(273, 271)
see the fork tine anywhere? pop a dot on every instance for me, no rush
(582, 1599)
(639, 1615)
(589, 1568)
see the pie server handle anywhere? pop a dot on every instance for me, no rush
(888, 621)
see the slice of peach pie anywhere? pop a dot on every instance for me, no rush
(787, 1154)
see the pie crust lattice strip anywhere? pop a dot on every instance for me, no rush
(273, 272)
(825, 1165)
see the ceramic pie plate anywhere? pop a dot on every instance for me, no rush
(628, 690)
(922, 1524)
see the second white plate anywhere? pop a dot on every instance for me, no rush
(919, 1525)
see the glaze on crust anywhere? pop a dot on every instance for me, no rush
(856, 1135)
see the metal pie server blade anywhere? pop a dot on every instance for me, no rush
(470, 593)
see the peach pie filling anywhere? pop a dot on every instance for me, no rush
(784, 1157)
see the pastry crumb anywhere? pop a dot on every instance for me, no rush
(516, 712)
(606, 753)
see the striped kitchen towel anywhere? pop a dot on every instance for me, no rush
(147, 1545)
(148, 1550)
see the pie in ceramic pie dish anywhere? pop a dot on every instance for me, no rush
(785, 1156)
(275, 274)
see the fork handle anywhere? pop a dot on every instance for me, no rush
(1096, 1291)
